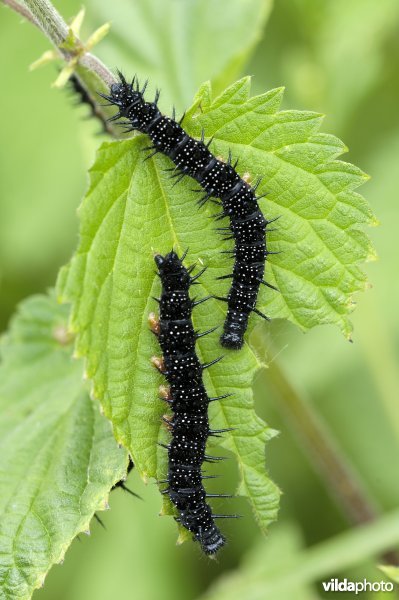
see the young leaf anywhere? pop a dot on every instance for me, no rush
(132, 209)
(58, 457)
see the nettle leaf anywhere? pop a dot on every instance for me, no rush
(58, 457)
(318, 232)
(132, 209)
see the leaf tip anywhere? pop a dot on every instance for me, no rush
(104, 504)
(180, 540)
(372, 256)
(374, 221)
(272, 433)
(348, 333)
(62, 335)
(391, 571)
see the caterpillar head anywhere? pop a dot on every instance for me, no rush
(173, 274)
(123, 95)
(170, 263)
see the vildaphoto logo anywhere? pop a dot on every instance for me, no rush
(344, 585)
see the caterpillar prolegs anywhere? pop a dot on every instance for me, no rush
(188, 400)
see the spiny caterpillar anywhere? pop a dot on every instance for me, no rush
(218, 179)
(121, 484)
(83, 96)
(189, 402)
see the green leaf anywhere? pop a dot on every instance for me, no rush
(58, 457)
(316, 48)
(132, 210)
(340, 37)
(265, 576)
(390, 571)
(310, 191)
(180, 44)
(279, 551)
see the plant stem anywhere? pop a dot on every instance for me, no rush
(95, 65)
(55, 28)
(328, 459)
(49, 20)
(22, 10)
(334, 467)
(43, 15)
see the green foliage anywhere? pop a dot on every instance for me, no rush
(275, 553)
(132, 210)
(38, 209)
(318, 57)
(339, 58)
(318, 233)
(178, 45)
(391, 572)
(280, 569)
(58, 458)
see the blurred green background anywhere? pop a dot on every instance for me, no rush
(337, 57)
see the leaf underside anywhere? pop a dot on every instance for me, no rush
(132, 210)
(58, 457)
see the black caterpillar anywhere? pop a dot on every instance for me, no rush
(189, 402)
(120, 484)
(83, 97)
(218, 179)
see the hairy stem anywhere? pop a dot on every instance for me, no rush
(49, 19)
(94, 64)
(43, 15)
(22, 10)
(55, 28)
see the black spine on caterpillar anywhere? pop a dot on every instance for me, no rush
(122, 482)
(189, 402)
(84, 97)
(218, 179)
